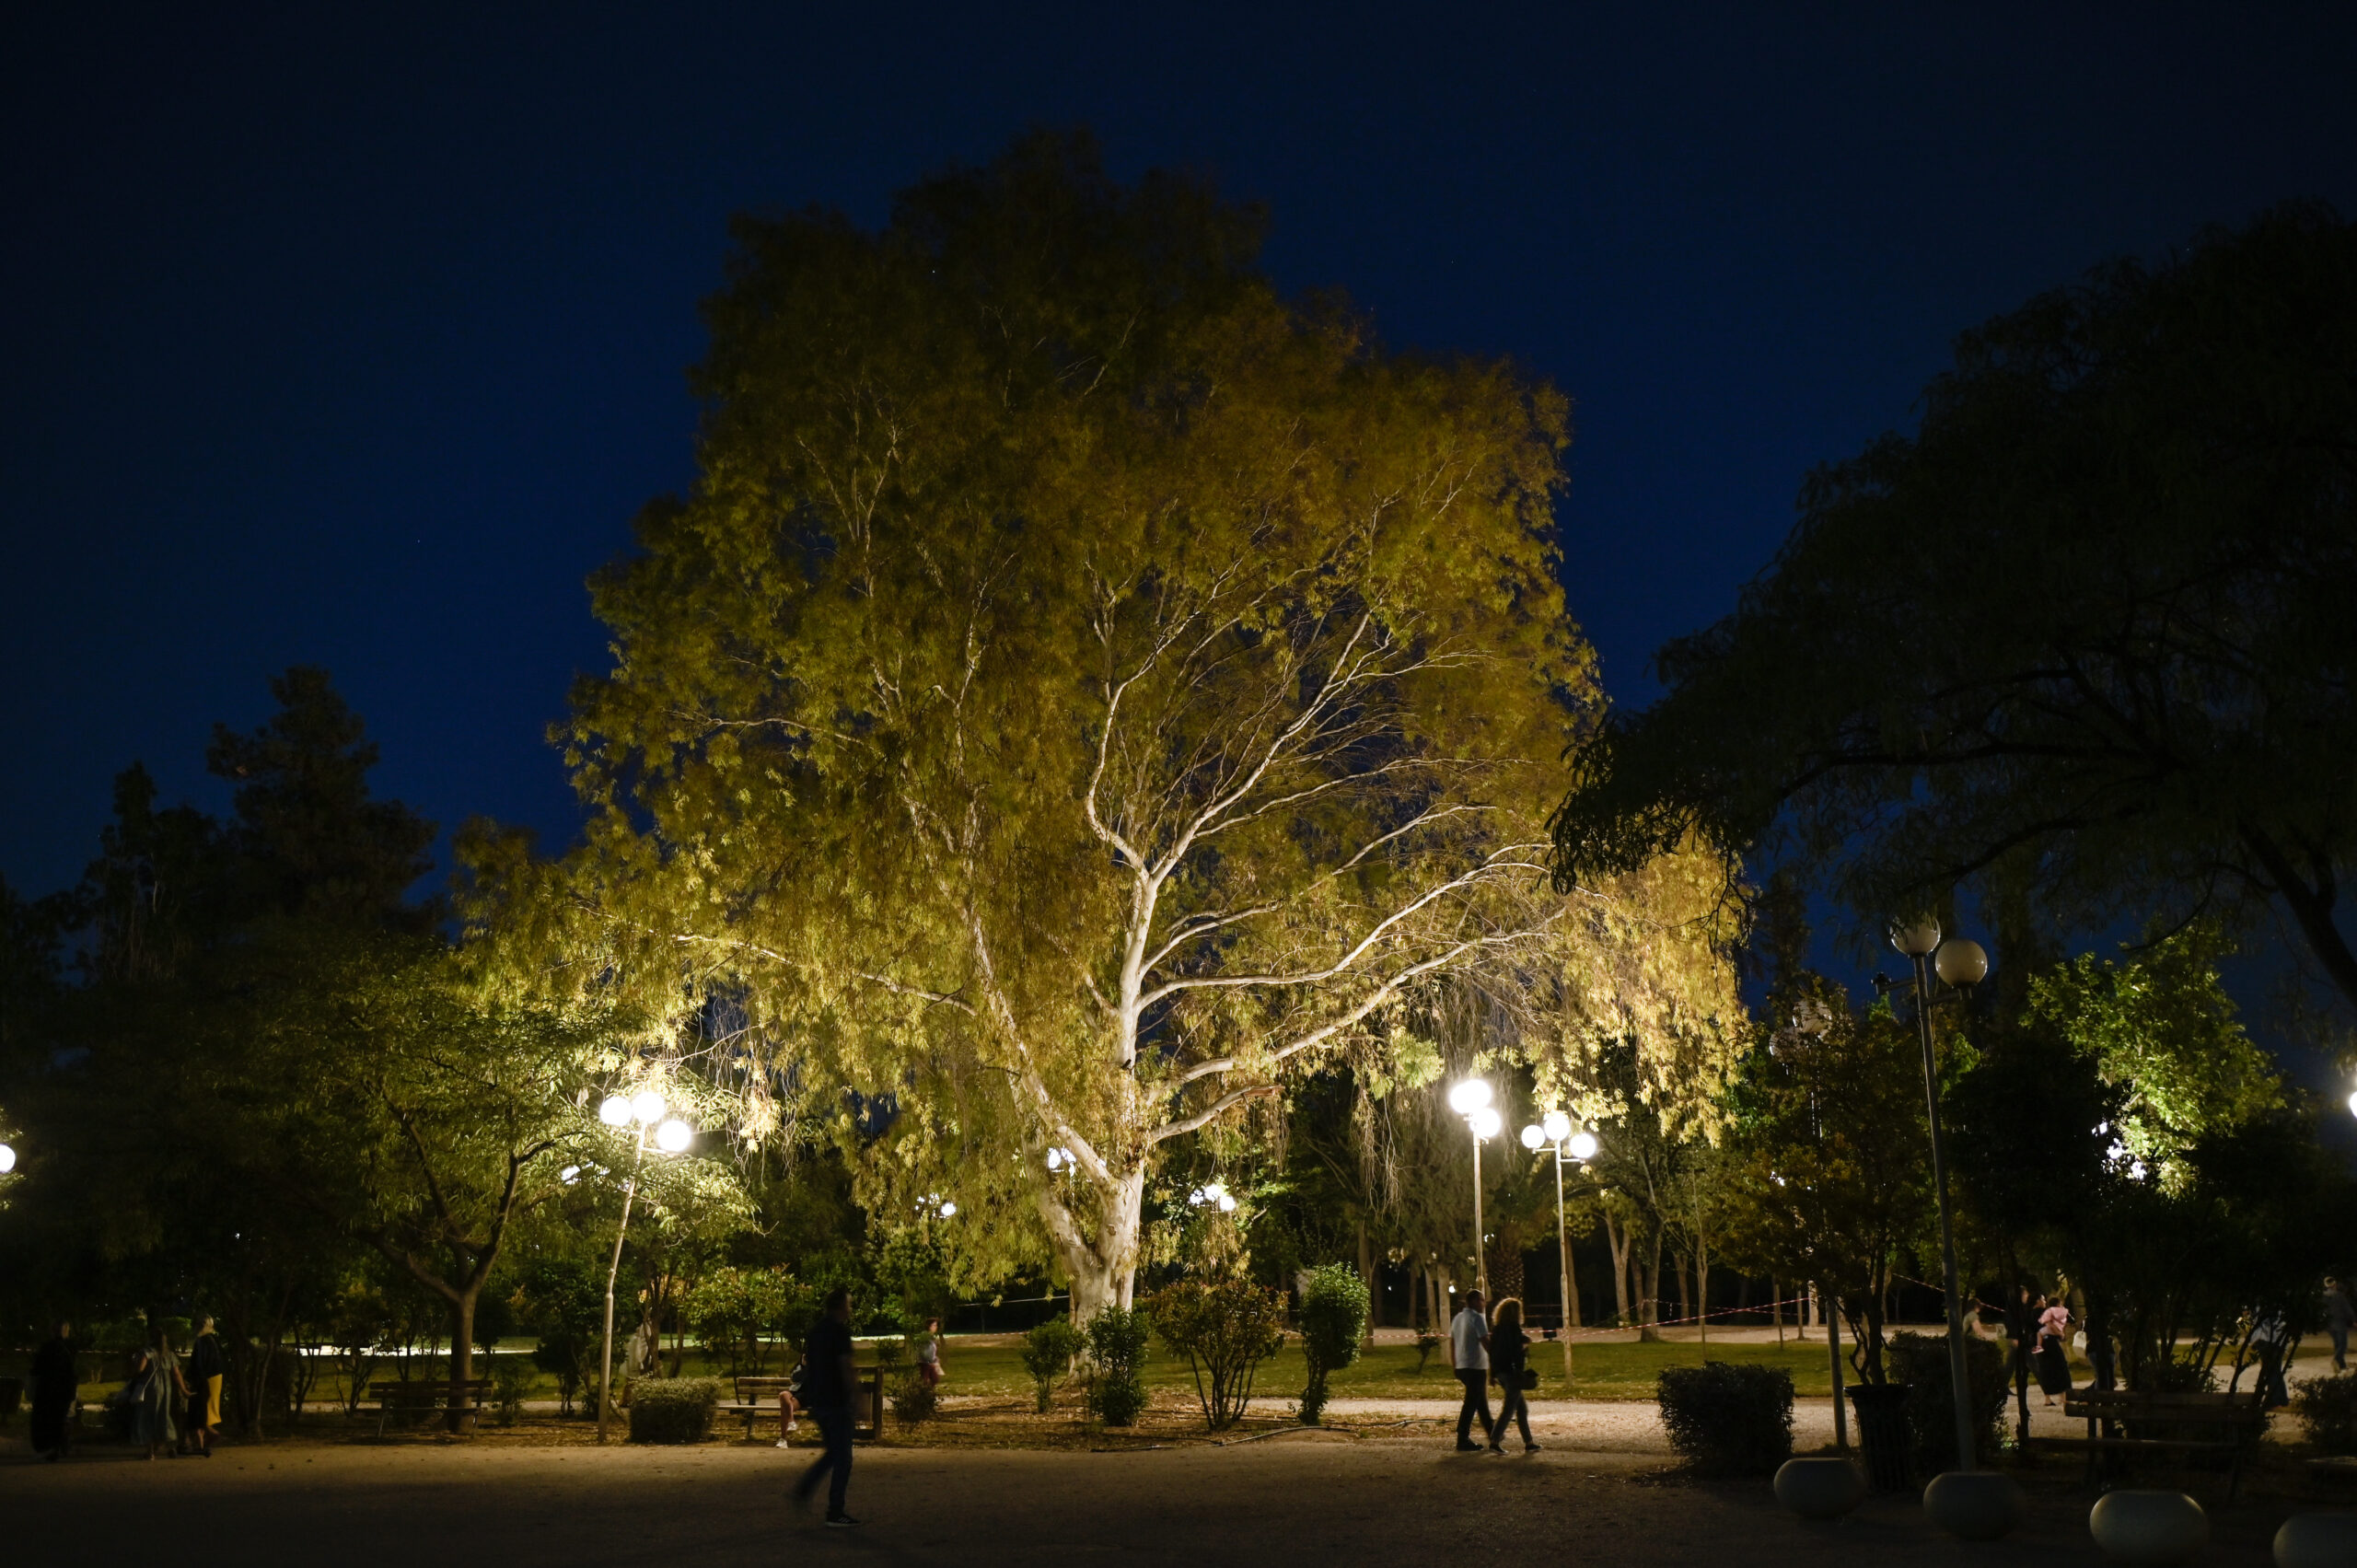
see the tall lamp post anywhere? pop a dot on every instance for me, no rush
(672, 1136)
(1470, 1099)
(1960, 963)
(1556, 1128)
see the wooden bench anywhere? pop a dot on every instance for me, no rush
(2205, 1423)
(757, 1396)
(427, 1395)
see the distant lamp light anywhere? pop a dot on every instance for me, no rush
(949, 1211)
(647, 1106)
(1533, 1137)
(1468, 1096)
(1961, 962)
(1058, 1158)
(1485, 1122)
(674, 1136)
(1214, 1191)
(1227, 1203)
(613, 1110)
(7, 1159)
(2353, 1110)
(1583, 1145)
(1558, 1125)
(1916, 939)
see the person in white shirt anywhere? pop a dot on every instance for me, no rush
(1469, 1350)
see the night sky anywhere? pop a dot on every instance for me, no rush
(355, 335)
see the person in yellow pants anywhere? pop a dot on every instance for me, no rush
(205, 1367)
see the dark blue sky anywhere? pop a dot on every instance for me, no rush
(354, 334)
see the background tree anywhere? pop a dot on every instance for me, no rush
(2085, 629)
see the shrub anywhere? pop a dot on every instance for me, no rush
(1117, 1346)
(1048, 1352)
(733, 1312)
(1920, 1361)
(1333, 1321)
(1729, 1420)
(1426, 1342)
(914, 1399)
(511, 1379)
(1226, 1329)
(2326, 1408)
(672, 1409)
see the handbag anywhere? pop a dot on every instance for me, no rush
(1529, 1378)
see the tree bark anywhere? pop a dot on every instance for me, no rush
(1649, 1300)
(462, 1352)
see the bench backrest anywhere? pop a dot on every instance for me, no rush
(750, 1389)
(438, 1386)
(2198, 1407)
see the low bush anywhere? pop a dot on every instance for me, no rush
(1333, 1322)
(672, 1409)
(1117, 1348)
(1726, 1419)
(2327, 1408)
(1226, 1329)
(511, 1379)
(1048, 1352)
(914, 1399)
(1920, 1361)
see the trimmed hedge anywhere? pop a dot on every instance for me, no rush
(2326, 1408)
(1920, 1361)
(1729, 1419)
(672, 1409)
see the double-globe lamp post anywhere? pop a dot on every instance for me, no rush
(1470, 1099)
(671, 1135)
(1556, 1128)
(1960, 963)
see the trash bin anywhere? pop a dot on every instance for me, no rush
(1884, 1442)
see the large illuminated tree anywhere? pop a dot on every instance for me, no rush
(1080, 687)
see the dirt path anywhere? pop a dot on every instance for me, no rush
(1304, 1497)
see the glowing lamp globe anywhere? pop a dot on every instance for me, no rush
(674, 1135)
(1960, 962)
(1468, 1096)
(1227, 1203)
(1558, 1125)
(647, 1106)
(949, 1211)
(1583, 1145)
(7, 1159)
(1916, 939)
(1532, 1137)
(2353, 1110)
(1486, 1123)
(613, 1110)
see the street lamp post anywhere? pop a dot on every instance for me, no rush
(1470, 1099)
(645, 1110)
(1960, 963)
(1556, 1128)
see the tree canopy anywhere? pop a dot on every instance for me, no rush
(1082, 687)
(2087, 627)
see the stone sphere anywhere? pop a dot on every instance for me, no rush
(2148, 1529)
(1819, 1488)
(2316, 1540)
(1975, 1505)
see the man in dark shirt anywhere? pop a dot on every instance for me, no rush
(827, 1382)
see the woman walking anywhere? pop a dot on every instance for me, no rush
(1509, 1358)
(156, 1387)
(2053, 1360)
(929, 1355)
(56, 1378)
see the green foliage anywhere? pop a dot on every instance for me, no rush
(1729, 1419)
(1333, 1323)
(914, 1400)
(2327, 1408)
(1828, 1160)
(561, 1301)
(2112, 656)
(2161, 1029)
(1048, 1352)
(511, 1379)
(1054, 584)
(1226, 1329)
(735, 1313)
(1920, 1361)
(1117, 1350)
(673, 1410)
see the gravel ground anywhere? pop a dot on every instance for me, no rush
(1600, 1492)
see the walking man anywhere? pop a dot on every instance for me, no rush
(827, 1382)
(1469, 1349)
(206, 1367)
(2338, 1315)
